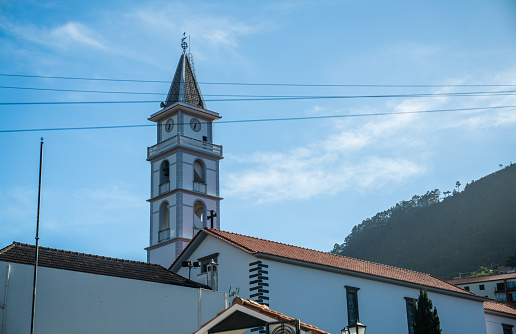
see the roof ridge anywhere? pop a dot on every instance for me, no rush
(16, 243)
(428, 276)
(6, 248)
(326, 253)
(214, 231)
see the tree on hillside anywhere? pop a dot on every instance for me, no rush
(511, 261)
(457, 184)
(426, 320)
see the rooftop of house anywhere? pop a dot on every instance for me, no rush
(326, 261)
(93, 264)
(273, 314)
(500, 308)
(480, 279)
(262, 309)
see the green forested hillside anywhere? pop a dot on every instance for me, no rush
(443, 236)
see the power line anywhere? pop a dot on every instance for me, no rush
(256, 84)
(266, 119)
(270, 98)
(510, 92)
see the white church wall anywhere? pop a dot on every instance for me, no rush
(163, 255)
(211, 178)
(74, 302)
(232, 267)
(164, 134)
(192, 134)
(494, 323)
(318, 297)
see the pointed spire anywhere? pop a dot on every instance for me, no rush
(184, 87)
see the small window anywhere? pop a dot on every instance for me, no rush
(466, 288)
(500, 286)
(410, 314)
(352, 302)
(481, 287)
(204, 138)
(507, 329)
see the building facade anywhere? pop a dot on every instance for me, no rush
(327, 290)
(83, 294)
(501, 287)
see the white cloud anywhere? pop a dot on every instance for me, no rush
(73, 32)
(206, 30)
(70, 34)
(344, 159)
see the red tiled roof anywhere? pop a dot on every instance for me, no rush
(499, 307)
(275, 315)
(478, 279)
(261, 246)
(93, 264)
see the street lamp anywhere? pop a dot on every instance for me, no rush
(357, 328)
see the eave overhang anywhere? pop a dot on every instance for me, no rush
(181, 106)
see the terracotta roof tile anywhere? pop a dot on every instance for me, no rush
(500, 307)
(478, 279)
(261, 246)
(93, 264)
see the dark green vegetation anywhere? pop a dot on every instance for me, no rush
(426, 320)
(443, 236)
(511, 261)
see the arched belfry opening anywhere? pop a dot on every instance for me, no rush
(164, 222)
(164, 177)
(199, 180)
(199, 215)
(198, 171)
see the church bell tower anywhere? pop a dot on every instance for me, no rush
(184, 168)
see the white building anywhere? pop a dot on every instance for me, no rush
(500, 318)
(326, 290)
(501, 287)
(82, 293)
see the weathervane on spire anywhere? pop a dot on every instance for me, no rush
(184, 45)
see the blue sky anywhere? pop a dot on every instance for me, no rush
(304, 182)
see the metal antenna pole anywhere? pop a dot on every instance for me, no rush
(37, 239)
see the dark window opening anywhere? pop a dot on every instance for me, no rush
(352, 302)
(466, 288)
(507, 329)
(481, 287)
(410, 314)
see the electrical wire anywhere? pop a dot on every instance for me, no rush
(266, 119)
(254, 84)
(491, 93)
(264, 98)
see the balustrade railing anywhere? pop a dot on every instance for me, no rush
(164, 235)
(199, 187)
(164, 188)
(184, 141)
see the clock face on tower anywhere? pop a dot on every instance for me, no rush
(195, 124)
(169, 125)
